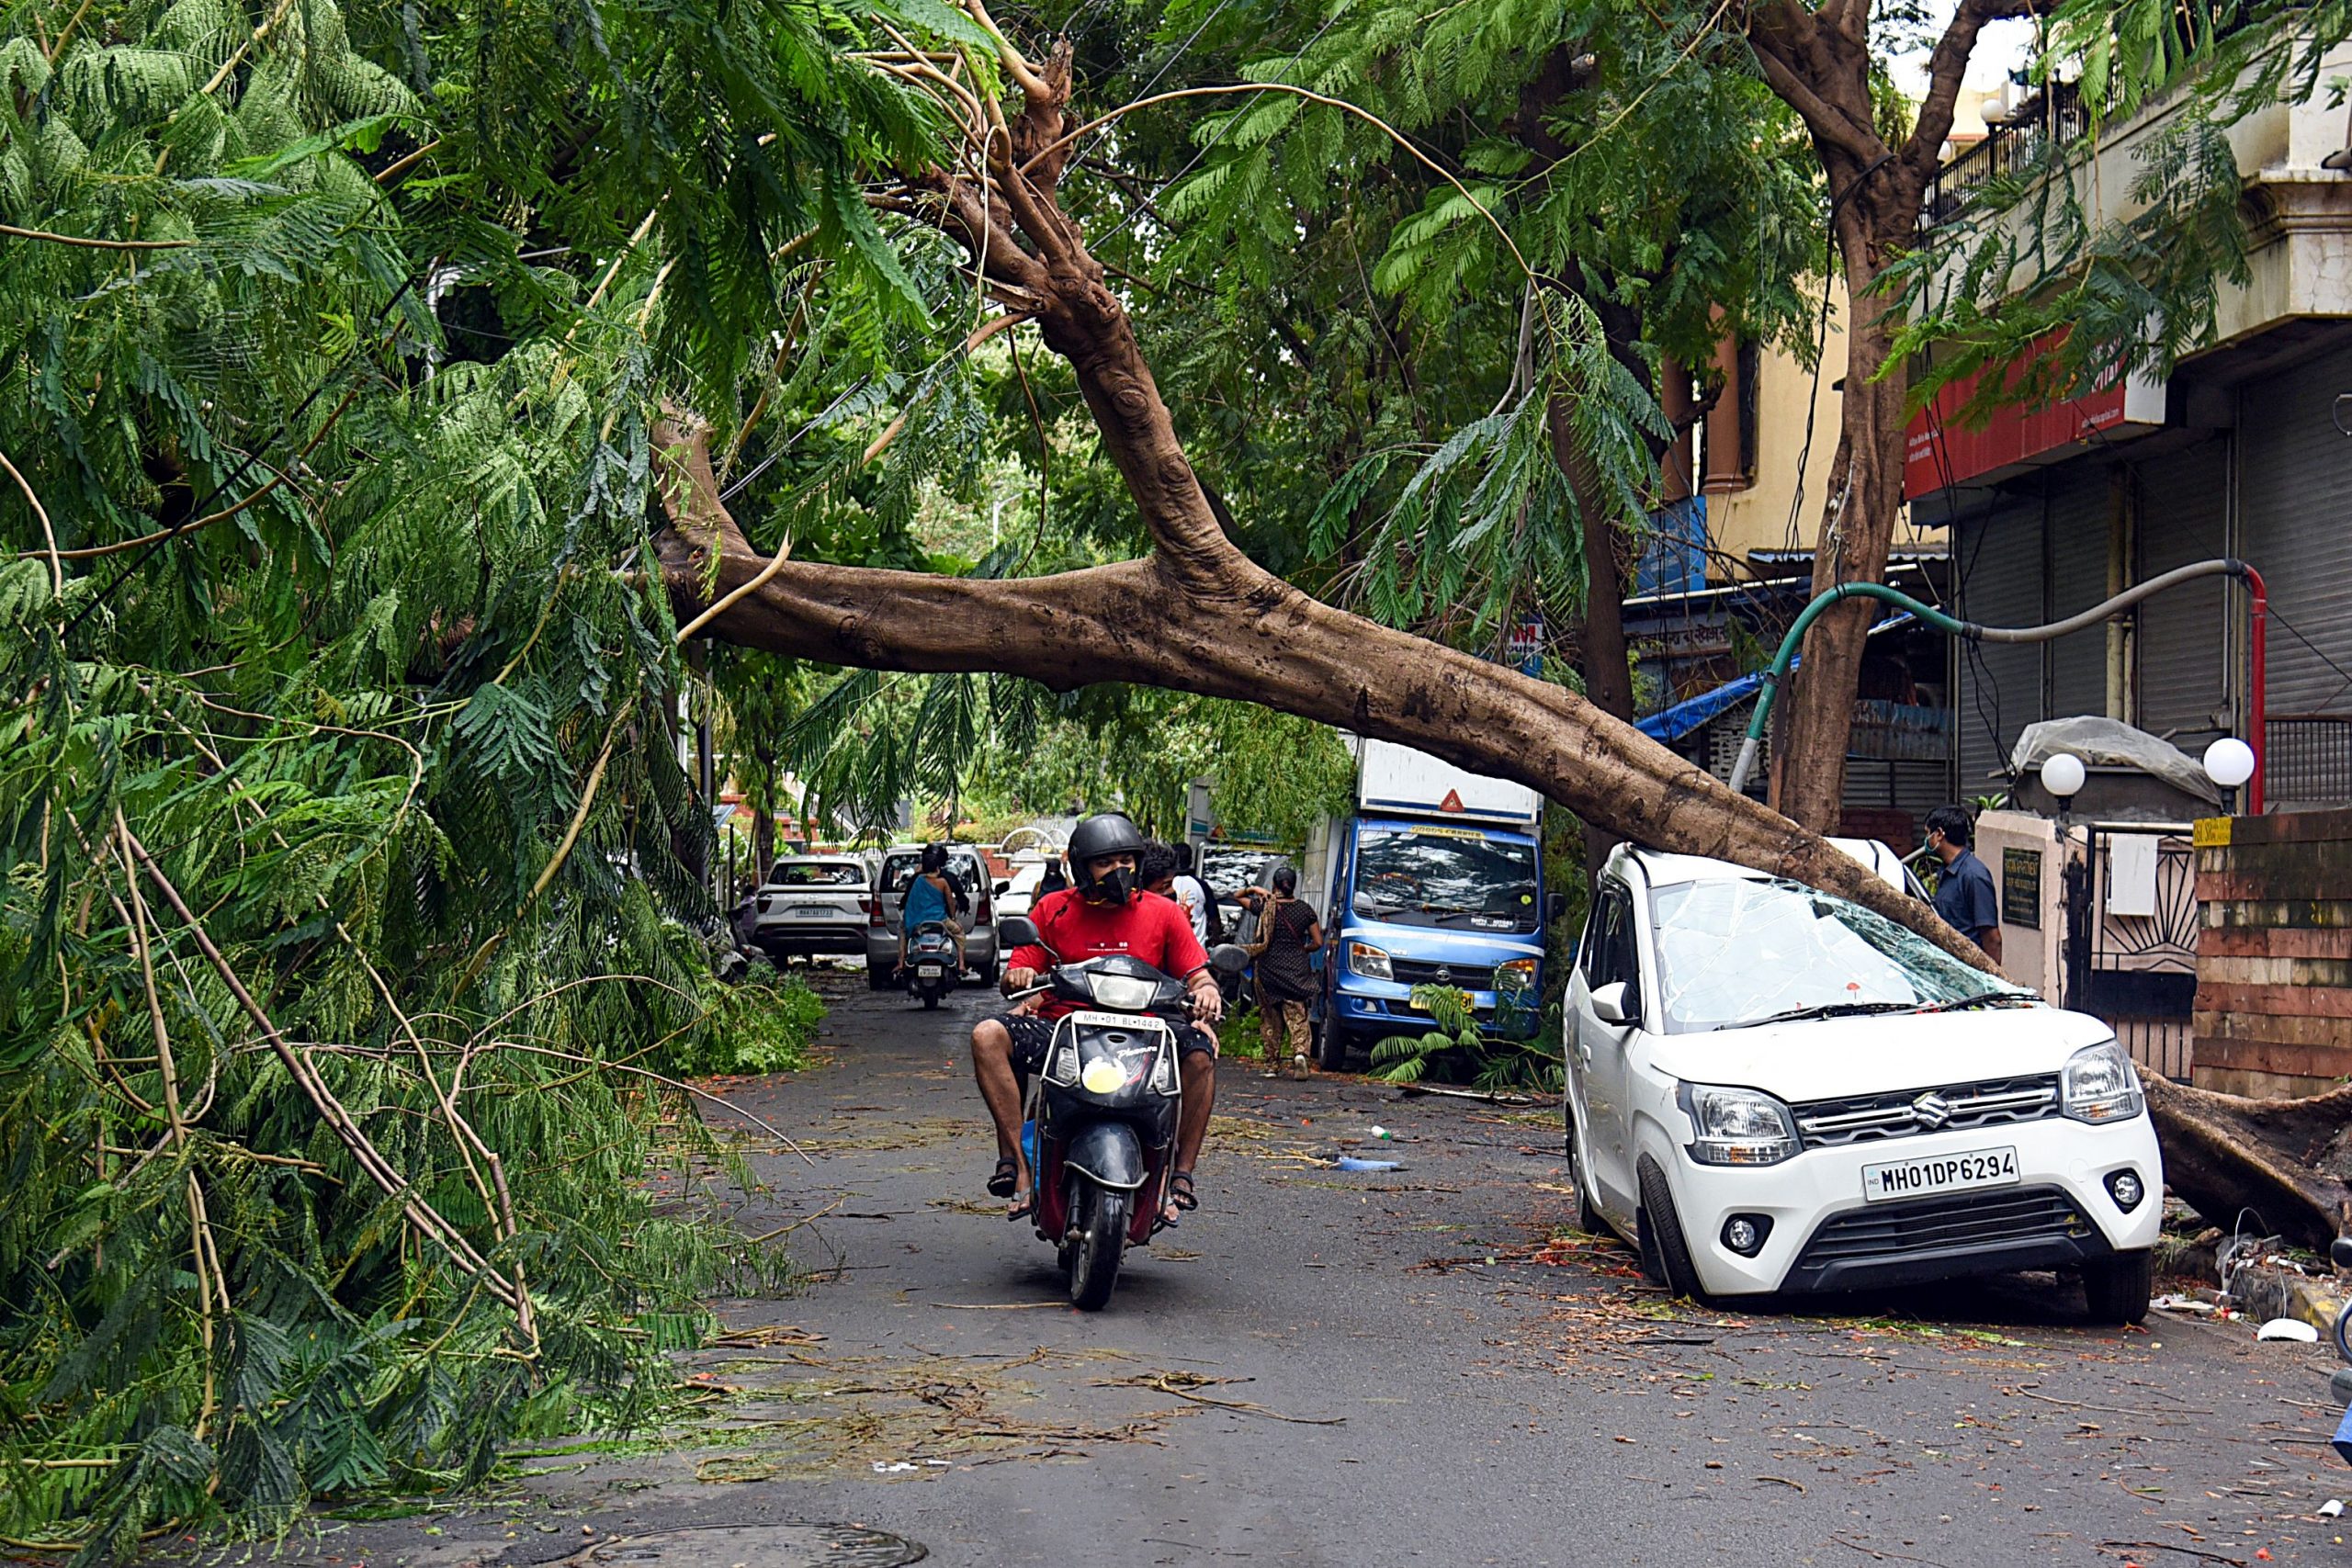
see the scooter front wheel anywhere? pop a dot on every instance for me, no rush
(1094, 1250)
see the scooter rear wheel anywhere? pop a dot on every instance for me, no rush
(1098, 1240)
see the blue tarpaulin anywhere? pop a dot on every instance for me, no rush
(1684, 717)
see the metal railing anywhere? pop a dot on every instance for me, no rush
(2308, 758)
(2057, 116)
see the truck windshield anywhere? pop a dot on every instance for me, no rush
(1446, 876)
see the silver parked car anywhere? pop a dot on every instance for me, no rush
(891, 877)
(812, 904)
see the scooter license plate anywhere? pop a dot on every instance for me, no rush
(930, 971)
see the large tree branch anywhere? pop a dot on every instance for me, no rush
(1265, 642)
(1799, 64)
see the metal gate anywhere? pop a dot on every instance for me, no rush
(2131, 922)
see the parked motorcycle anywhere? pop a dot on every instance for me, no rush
(931, 967)
(1103, 1108)
(2340, 1385)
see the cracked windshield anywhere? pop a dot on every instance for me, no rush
(1738, 951)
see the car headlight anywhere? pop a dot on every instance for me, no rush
(2101, 1085)
(1737, 1126)
(1369, 961)
(1124, 993)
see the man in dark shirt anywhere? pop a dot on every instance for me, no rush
(1964, 895)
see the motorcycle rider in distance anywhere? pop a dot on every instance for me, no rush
(1104, 912)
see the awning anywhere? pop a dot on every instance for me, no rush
(1684, 717)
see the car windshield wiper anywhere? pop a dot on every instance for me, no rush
(1982, 998)
(1817, 1010)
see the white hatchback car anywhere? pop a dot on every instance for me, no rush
(1771, 1088)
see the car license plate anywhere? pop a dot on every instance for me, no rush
(930, 971)
(813, 912)
(1940, 1173)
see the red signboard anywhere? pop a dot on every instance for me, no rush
(1942, 449)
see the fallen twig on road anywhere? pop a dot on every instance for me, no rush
(1488, 1096)
(995, 1306)
(2109, 1409)
(1884, 1556)
(2119, 1548)
(1179, 1384)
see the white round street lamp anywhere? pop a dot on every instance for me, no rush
(2229, 762)
(2063, 775)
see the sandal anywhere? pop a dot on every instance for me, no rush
(1024, 1204)
(1005, 1178)
(1180, 1197)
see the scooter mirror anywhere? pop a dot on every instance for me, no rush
(1017, 931)
(1228, 959)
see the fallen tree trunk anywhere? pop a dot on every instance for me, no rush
(2282, 1164)
(1198, 616)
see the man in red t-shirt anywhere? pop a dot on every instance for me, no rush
(1103, 913)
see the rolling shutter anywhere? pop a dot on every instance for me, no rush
(1996, 580)
(2082, 506)
(2183, 502)
(2295, 495)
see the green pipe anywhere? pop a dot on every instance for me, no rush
(1754, 739)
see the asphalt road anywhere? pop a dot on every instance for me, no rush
(1320, 1367)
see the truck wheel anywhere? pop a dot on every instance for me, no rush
(1330, 1046)
(1666, 1256)
(2118, 1286)
(1094, 1252)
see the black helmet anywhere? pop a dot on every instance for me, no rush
(1108, 834)
(934, 857)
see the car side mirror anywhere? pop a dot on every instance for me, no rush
(1018, 931)
(1555, 906)
(1614, 1004)
(2339, 1252)
(1002, 888)
(1228, 959)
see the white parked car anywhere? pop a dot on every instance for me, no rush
(1771, 1088)
(811, 904)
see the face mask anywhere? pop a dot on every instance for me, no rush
(1117, 888)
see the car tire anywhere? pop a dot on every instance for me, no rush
(2117, 1287)
(1589, 1218)
(986, 972)
(1666, 1255)
(877, 977)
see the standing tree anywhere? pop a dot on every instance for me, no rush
(1818, 58)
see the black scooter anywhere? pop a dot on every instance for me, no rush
(931, 969)
(1104, 1106)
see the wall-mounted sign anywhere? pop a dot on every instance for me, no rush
(2021, 888)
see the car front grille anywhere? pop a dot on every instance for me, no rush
(1887, 1232)
(1995, 1102)
(1464, 976)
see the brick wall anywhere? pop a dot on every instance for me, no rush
(2274, 953)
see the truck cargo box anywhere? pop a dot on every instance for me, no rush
(1390, 777)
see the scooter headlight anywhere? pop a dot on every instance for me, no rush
(1061, 1063)
(1163, 1072)
(1124, 993)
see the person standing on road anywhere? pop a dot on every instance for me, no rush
(1288, 934)
(1107, 912)
(1965, 896)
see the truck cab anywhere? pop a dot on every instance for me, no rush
(1436, 879)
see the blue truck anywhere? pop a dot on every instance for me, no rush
(1436, 878)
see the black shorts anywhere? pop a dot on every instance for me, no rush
(1032, 1035)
